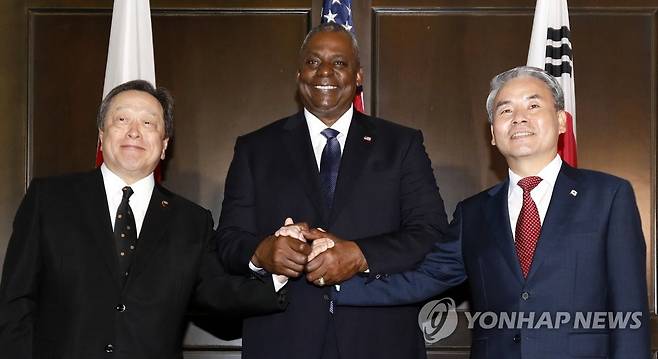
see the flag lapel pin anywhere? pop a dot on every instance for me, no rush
(367, 139)
(574, 192)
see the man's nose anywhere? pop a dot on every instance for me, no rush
(133, 130)
(325, 69)
(519, 117)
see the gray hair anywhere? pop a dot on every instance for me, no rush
(501, 79)
(161, 94)
(332, 27)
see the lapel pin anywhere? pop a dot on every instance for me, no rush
(367, 138)
(573, 192)
(164, 204)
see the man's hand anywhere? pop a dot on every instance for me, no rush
(320, 245)
(284, 252)
(338, 263)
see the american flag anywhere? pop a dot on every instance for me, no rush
(340, 12)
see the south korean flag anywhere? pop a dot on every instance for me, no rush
(550, 49)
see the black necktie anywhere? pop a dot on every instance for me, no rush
(125, 233)
(329, 164)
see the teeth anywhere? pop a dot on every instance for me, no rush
(522, 134)
(325, 87)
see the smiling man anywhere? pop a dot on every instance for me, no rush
(366, 182)
(550, 240)
(105, 264)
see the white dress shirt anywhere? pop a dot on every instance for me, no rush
(541, 194)
(139, 201)
(316, 126)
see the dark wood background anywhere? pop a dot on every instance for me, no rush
(231, 66)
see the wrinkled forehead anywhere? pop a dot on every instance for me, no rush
(136, 102)
(524, 87)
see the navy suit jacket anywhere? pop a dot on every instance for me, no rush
(386, 200)
(62, 295)
(590, 258)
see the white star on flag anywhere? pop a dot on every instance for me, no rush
(331, 17)
(336, 2)
(348, 27)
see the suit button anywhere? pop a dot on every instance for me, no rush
(109, 348)
(378, 276)
(517, 338)
(525, 295)
(121, 308)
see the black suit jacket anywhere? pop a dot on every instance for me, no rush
(386, 200)
(61, 293)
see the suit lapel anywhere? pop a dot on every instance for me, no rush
(355, 156)
(559, 211)
(497, 218)
(297, 141)
(95, 211)
(157, 220)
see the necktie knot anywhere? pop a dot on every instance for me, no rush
(127, 192)
(529, 183)
(329, 133)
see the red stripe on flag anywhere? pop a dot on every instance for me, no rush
(566, 145)
(99, 155)
(358, 102)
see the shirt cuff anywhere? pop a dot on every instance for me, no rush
(253, 267)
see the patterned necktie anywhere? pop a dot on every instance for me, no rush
(528, 226)
(329, 165)
(125, 233)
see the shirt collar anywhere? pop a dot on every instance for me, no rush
(548, 174)
(315, 125)
(142, 189)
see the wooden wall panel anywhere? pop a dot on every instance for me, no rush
(431, 71)
(231, 73)
(13, 107)
(67, 66)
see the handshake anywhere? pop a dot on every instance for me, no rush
(296, 249)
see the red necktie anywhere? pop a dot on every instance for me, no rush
(528, 226)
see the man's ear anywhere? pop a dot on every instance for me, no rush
(359, 77)
(493, 138)
(562, 121)
(165, 143)
(100, 138)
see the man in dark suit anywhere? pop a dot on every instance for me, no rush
(106, 264)
(572, 244)
(367, 182)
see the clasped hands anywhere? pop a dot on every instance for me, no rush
(296, 249)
